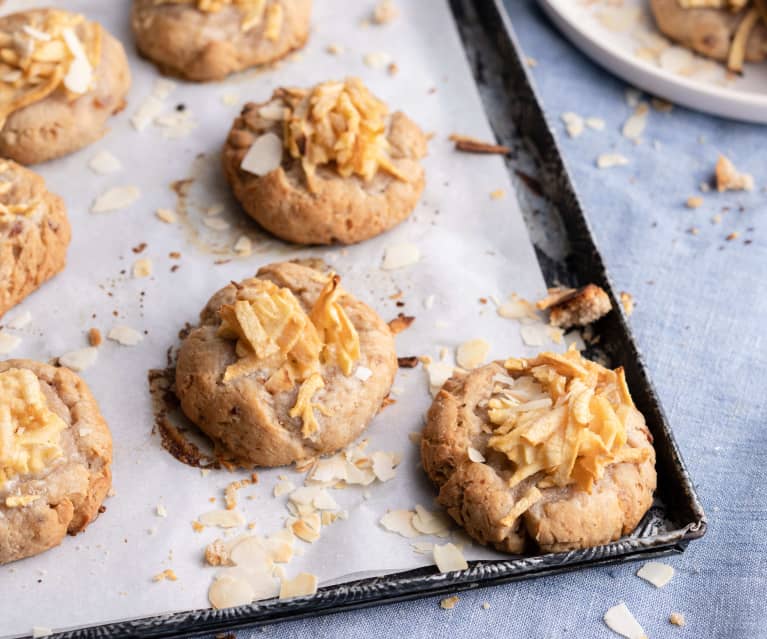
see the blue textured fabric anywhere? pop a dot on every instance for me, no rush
(700, 305)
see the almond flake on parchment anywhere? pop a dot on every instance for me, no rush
(399, 256)
(439, 373)
(384, 465)
(400, 522)
(430, 523)
(376, 59)
(161, 511)
(115, 199)
(283, 488)
(142, 267)
(166, 215)
(498, 194)
(216, 224)
(222, 518)
(79, 360)
(104, 163)
(125, 335)
(472, 353)
(228, 592)
(302, 585)
(8, 342)
(19, 321)
(243, 246)
(449, 558)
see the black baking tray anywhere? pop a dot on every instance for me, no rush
(677, 516)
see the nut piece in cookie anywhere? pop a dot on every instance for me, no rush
(34, 233)
(575, 307)
(549, 452)
(325, 165)
(55, 457)
(61, 78)
(285, 366)
(205, 40)
(726, 30)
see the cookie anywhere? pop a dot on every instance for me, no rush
(285, 366)
(34, 233)
(710, 30)
(548, 453)
(325, 165)
(61, 80)
(205, 40)
(54, 460)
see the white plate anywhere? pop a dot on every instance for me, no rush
(626, 41)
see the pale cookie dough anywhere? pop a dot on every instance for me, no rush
(55, 460)
(325, 165)
(62, 79)
(708, 30)
(285, 366)
(204, 40)
(34, 233)
(493, 444)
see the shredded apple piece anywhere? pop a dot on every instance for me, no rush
(565, 418)
(274, 333)
(342, 123)
(44, 55)
(29, 430)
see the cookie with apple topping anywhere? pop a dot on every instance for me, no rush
(61, 78)
(325, 165)
(34, 233)
(285, 366)
(206, 40)
(548, 453)
(55, 457)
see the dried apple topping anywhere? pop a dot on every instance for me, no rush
(274, 333)
(45, 54)
(561, 417)
(29, 431)
(340, 123)
(255, 12)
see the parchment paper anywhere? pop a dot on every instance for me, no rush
(472, 246)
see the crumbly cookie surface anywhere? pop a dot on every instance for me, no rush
(516, 494)
(34, 233)
(204, 41)
(272, 406)
(52, 108)
(347, 171)
(62, 491)
(708, 31)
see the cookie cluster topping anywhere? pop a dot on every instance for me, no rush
(46, 50)
(9, 208)
(563, 419)
(29, 431)
(274, 334)
(255, 13)
(340, 123)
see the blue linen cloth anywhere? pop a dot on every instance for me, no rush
(700, 304)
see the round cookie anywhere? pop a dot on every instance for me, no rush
(53, 108)
(34, 233)
(285, 366)
(57, 473)
(204, 40)
(325, 165)
(511, 492)
(708, 31)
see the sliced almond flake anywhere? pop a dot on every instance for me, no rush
(609, 160)
(166, 215)
(423, 547)
(449, 558)
(400, 522)
(324, 501)
(38, 632)
(430, 523)
(384, 465)
(302, 585)
(142, 267)
(656, 572)
(243, 245)
(81, 359)
(249, 553)
(359, 476)
(80, 73)
(104, 163)
(363, 373)
(448, 603)
(161, 511)
(472, 353)
(19, 321)
(620, 620)
(283, 488)
(264, 155)
(636, 123)
(573, 124)
(475, 455)
(8, 342)
(149, 109)
(428, 302)
(534, 334)
(676, 59)
(125, 335)
(115, 199)
(329, 470)
(376, 59)
(598, 124)
(222, 518)
(400, 255)
(228, 592)
(308, 527)
(216, 224)
(439, 373)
